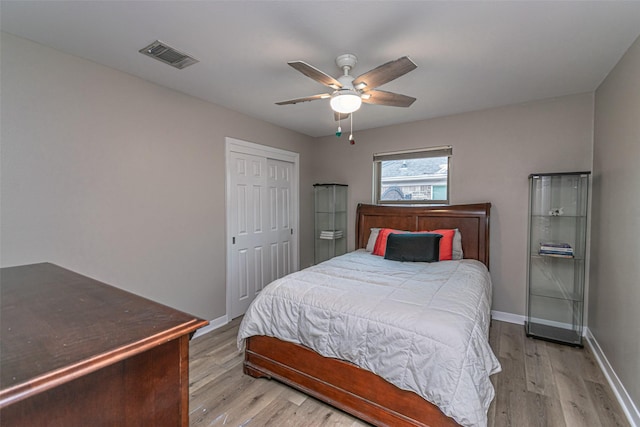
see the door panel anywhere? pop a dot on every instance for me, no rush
(243, 275)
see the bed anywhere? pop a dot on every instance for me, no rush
(373, 376)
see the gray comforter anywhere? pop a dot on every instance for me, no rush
(421, 326)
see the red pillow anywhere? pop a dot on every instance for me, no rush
(381, 242)
(446, 243)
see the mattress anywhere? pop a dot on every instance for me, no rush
(421, 326)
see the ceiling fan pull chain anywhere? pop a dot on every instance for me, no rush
(339, 131)
(351, 140)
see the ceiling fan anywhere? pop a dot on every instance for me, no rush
(350, 92)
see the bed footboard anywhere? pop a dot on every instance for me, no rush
(340, 384)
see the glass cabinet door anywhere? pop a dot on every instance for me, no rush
(557, 252)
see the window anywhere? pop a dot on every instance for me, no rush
(412, 177)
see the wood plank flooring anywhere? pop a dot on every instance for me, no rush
(541, 384)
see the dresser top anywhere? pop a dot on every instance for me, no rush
(56, 325)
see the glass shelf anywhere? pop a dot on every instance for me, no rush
(559, 257)
(558, 294)
(557, 216)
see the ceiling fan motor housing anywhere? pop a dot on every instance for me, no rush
(346, 81)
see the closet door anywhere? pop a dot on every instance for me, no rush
(250, 259)
(280, 231)
(261, 220)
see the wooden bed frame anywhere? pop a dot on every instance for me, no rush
(344, 385)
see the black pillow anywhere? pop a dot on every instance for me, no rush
(413, 247)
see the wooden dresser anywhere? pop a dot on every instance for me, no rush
(78, 352)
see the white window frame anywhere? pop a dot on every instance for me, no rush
(419, 153)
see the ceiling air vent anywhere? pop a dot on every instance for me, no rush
(162, 52)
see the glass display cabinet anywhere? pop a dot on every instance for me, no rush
(330, 234)
(557, 256)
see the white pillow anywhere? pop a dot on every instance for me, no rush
(372, 239)
(456, 250)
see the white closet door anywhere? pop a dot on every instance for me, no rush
(259, 225)
(280, 231)
(249, 265)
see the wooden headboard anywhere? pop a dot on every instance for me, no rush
(472, 221)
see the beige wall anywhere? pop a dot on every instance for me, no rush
(122, 180)
(494, 151)
(614, 314)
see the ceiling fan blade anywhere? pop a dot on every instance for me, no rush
(305, 99)
(381, 97)
(315, 74)
(384, 73)
(340, 116)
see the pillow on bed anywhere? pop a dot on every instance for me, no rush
(381, 242)
(456, 250)
(371, 243)
(413, 247)
(446, 243)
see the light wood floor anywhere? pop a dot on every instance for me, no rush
(541, 384)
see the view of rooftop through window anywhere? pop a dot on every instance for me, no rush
(414, 179)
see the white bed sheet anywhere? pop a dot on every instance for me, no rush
(421, 326)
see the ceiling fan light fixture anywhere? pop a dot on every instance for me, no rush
(345, 101)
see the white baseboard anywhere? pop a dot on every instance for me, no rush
(508, 317)
(212, 326)
(629, 408)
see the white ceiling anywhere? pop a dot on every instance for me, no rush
(470, 55)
